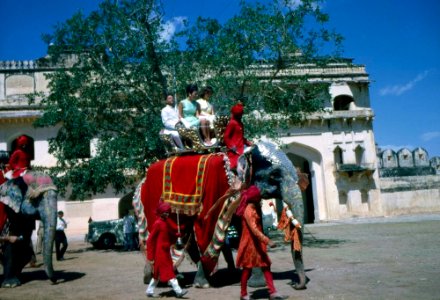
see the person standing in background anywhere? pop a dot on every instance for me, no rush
(129, 232)
(60, 236)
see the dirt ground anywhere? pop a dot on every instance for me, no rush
(385, 258)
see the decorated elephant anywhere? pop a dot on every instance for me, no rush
(17, 219)
(204, 194)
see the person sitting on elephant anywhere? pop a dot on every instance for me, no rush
(170, 118)
(158, 253)
(234, 135)
(20, 160)
(188, 108)
(19, 163)
(252, 249)
(206, 116)
(189, 111)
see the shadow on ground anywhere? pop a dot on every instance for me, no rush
(39, 275)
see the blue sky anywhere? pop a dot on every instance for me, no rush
(397, 40)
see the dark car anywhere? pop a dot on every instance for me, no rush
(107, 234)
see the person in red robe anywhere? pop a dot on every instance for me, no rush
(20, 160)
(158, 253)
(234, 135)
(252, 250)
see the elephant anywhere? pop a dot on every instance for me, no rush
(204, 194)
(19, 214)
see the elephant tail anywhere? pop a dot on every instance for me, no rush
(140, 214)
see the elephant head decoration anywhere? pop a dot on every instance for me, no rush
(200, 189)
(18, 214)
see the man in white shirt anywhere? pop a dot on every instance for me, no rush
(170, 118)
(60, 236)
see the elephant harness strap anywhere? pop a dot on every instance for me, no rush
(183, 186)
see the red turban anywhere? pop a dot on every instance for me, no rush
(163, 207)
(22, 141)
(250, 195)
(237, 110)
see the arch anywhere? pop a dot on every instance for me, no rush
(125, 204)
(359, 152)
(309, 160)
(342, 102)
(337, 155)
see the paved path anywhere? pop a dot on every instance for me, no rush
(374, 258)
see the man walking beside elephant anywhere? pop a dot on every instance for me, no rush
(60, 236)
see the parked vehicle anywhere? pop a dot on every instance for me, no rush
(107, 234)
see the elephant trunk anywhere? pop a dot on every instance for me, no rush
(292, 196)
(49, 217)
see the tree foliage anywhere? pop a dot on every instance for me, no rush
(118, 68)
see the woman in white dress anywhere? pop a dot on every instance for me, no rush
(206, 115)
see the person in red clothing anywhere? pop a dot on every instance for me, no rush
(234, 135)
(252, 250)
(20, 160)
(158, 253)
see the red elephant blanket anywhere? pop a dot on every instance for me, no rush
(191, 184)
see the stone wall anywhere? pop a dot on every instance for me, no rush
(410, 194)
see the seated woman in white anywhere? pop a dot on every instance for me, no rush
(206, 116)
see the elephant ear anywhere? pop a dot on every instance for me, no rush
(10, 195)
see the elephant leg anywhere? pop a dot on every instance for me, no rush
(229, 258)
(9, 269)
(257, 278)
(16, 256)
(200, 280)
(299, 268)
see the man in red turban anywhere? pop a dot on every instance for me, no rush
(234, 135)
(21, 159)
(158, 253)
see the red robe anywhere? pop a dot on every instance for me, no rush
(252, 250)
(19, 161)
(235, 141)
(158, 250)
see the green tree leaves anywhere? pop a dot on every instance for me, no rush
(118, 69)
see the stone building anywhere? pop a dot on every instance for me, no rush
(335, 147)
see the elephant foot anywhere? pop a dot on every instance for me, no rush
(200, 285)
(298, 286)
(11, 283)
(200, 280)
(257, 278)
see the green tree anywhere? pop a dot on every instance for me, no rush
(117, 68)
